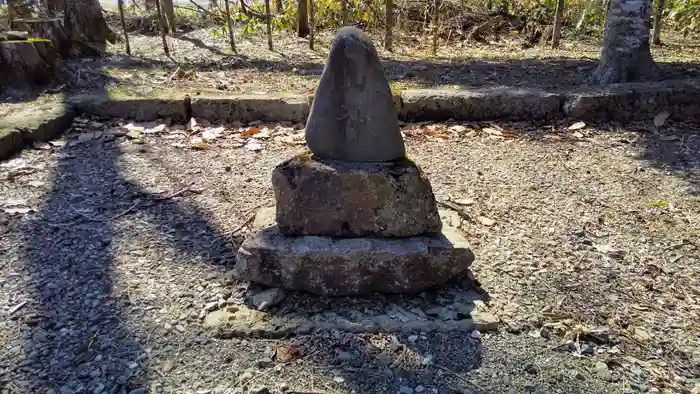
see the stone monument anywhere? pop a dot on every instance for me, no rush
(353, 216)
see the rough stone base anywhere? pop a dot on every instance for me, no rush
(342, 199)
(352, 266)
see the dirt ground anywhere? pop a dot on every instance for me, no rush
(202, 61)
(586, 240)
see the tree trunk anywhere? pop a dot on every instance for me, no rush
(657, 22)
(55, 6)
(168, 15)
(161, 21)
(582, 21)
(279, 7)
(436, 26)
(558, 20)
(122, 19)
(344, 11)
(85, 25)
(51, 29)
(312, 24)
(303, 18)
(388, 26)
(229, 22)
(268, 16)
(626, 56)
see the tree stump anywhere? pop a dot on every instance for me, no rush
(51, 29)
(26, 64)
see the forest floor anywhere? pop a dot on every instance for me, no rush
(202, 62)
(586, 240)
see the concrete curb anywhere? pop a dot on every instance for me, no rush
(618, 102)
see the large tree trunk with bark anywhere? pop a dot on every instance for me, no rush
(54, 6)
(626, 56)
(86, 26)
(303, 18)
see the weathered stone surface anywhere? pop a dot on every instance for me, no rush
(487, 104)
(352, 266)
(130, 108)
(26, 64)
(353, 117)
(342, 199)
(246, 109)
(634, 101)
(10, 142)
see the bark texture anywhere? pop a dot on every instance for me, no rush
(51, 29)
(168, 15)
(389, 25)
(86, 26)
(658, 14)
(303, 18)
(558, 21)
(626, 56)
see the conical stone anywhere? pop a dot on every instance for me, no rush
(353, 117)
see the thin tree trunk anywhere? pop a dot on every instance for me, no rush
(269, 25)
(626, 56)
(344, 11)
(389, 25)
(123, 21)
(162, 29)
(230, 27)
(558, 20)
(85, 25)
(303, 18)
(168, 11)
(10, 16)
(279, 7)
(436, 24)
(584, 14)
(312, 23)
(657, 22)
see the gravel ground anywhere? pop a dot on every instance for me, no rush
(586, 242)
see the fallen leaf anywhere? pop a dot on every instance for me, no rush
(458, 129)
(641, 334)
(465, 201)
(212, 133)
(253, 146)
(157, 129)
(20, 210)
(36, 183)
(198, 143)
(41, 145)
(286, 353)
(660, 118)
(486, 221)
(668, 137)
(192, 125)
(577, 126)
(250, 131)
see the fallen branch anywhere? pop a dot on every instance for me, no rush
(458, 209)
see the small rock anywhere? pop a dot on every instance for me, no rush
(429, 359)
(268, 298)
(603, 371)
(211, 306)
(485, 321)
(412, 338)
(339, 379)
(406, 390)
(419, 389)
(475, 334)
(133, 134)
(284, 387)
(217, 319)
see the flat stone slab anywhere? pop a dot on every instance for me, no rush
(343, 199)
(352, 266)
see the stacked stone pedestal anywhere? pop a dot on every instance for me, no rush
(353, 216)
(343, 228)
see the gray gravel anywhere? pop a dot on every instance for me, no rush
(104, 282)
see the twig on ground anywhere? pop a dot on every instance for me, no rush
(456, 208)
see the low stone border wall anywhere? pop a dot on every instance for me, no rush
(618, 102)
